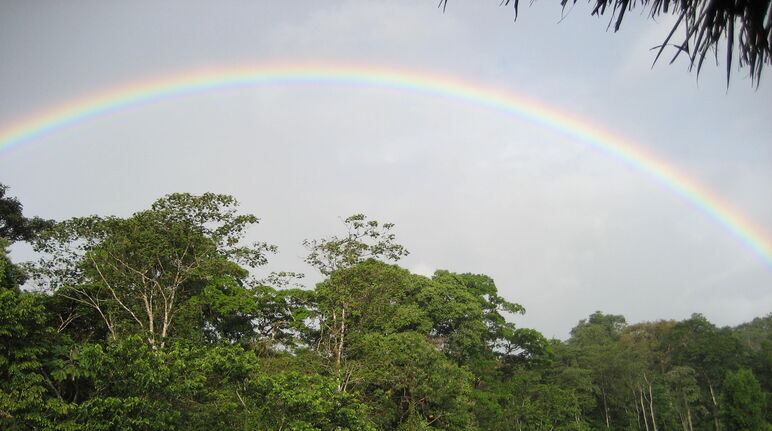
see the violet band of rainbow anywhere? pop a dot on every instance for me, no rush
(435, 85)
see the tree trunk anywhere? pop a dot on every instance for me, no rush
(651, 405)
(637, 410)
(605, 409)
(715, 406)
(339, 342)
(643, 408)
(682, 418)
(340, 338)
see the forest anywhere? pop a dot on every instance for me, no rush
(159, 321)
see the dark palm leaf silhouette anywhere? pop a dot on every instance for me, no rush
(744, 26)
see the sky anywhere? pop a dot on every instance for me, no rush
(563, 228)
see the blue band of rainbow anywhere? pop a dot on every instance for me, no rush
(147, 91)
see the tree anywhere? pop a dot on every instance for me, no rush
(364, 239)
(410, 383)
(30, 350)
(531, 404)
(709, 351)
(756, 335)
(745, 24)
(743, 402)
(140, 273)
(131, 386)
(685, 393)
(469, 323)
(368, 297)
(31, 359)
(263, 317)
(301, 402)
(619, 370)
(13, 225)
(11, 276)
(598, 329)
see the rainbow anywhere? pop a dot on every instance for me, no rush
(430, 84)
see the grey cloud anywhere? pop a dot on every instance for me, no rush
(564, 229)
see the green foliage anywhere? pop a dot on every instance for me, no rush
(411, 382)
(684, 393)
(376, 297)
(756, 336)
(743, 405)
(13, 225)
(365, 239)
(140, 273)
(152, 324)
(132, 386)
(29, 398)
(294, 401)
(256, 316)
(598, 329)
(528, 400)
(11, 276)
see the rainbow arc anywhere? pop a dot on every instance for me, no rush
(433, 85)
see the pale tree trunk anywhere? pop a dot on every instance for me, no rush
(333, 342)
(605, 409)
(685, 414)
(168, 315)
(715, 405)
(148, 302)
(643, 408)
(321, 333)
(651, 404)
(337, 344)
(637, 411)
(341, 337)
(682, 418)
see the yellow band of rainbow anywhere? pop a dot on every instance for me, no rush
(431, 84)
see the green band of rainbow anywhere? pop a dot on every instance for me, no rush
(36, 125)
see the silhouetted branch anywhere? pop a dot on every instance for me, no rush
(744, 25)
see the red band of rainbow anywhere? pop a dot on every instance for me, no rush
(147, 91)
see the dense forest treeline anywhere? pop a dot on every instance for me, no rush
(154, 322)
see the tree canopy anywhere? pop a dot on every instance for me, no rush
(153, 322)
(13, 225)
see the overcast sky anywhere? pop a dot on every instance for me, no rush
(563, 229)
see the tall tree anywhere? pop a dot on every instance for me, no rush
(32, 356)
(742, 409)
(756, 335)
(682, 384)
(140, 273)
(594, 346)
(700, 345)
(364, 239)
(13, 225)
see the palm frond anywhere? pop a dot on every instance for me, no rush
(743, 26)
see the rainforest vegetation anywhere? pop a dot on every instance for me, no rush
(159, 321)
